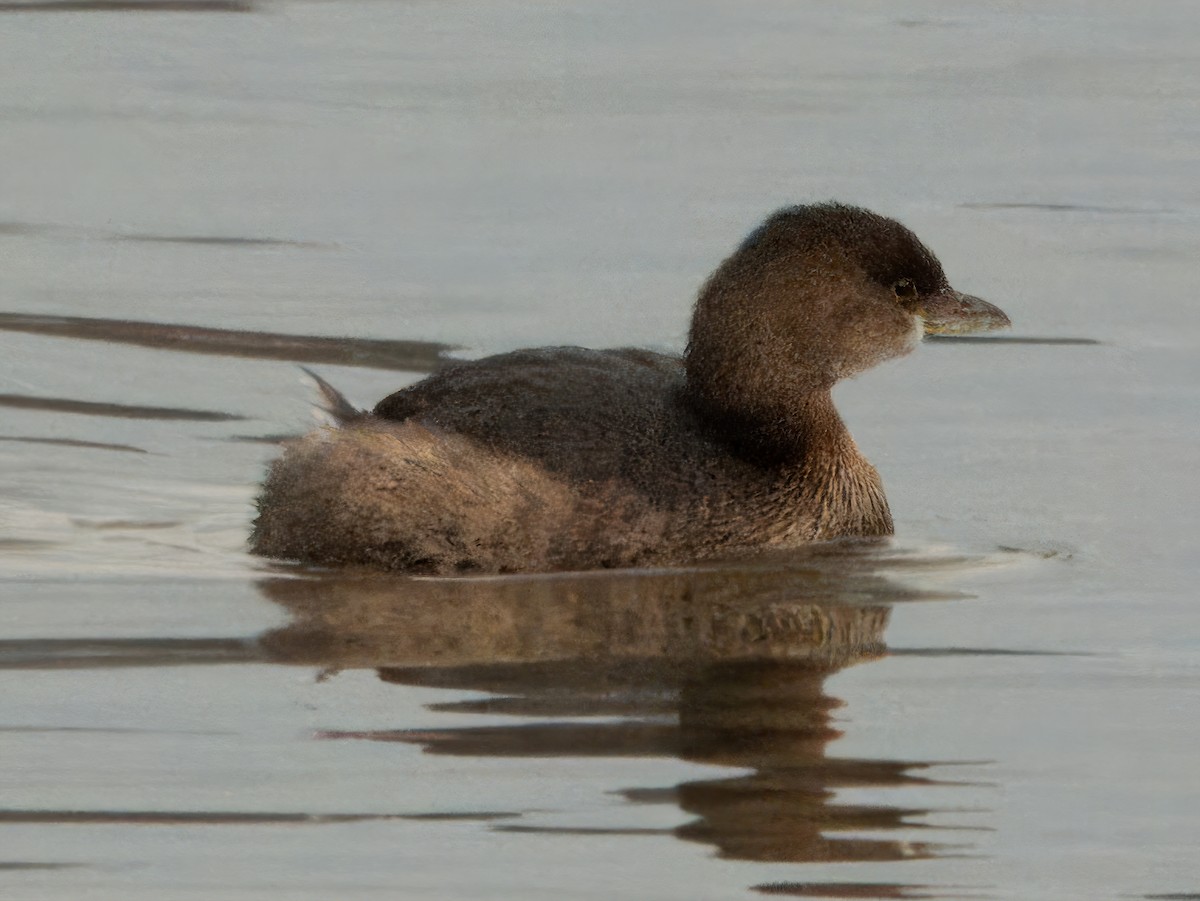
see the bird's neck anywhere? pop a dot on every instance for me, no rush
(795, 431)
(819, 467)
(830, 477)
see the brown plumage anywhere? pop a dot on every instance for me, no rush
(566, 458)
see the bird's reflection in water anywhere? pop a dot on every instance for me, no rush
(722, 665)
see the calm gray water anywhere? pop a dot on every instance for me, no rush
(1004, 703)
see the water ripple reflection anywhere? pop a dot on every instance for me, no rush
(723, 666)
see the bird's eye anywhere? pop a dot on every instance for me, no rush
(905, 288)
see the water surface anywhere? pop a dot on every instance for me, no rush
(197, 197)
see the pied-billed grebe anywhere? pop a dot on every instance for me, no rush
(566, 458)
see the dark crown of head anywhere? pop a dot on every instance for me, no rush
(885, 249)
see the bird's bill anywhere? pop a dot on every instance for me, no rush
(952, 313)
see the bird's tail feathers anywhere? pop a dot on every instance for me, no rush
(335, 403)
